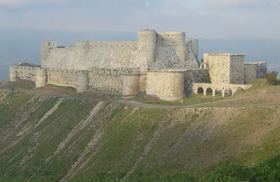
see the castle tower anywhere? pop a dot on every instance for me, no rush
(82, 81)
(45, 50)
(147, 45)
(41, 77)
(131, 82)
(179, 41)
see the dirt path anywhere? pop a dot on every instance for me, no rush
(137, 104)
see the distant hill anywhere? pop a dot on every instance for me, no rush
(23, 45)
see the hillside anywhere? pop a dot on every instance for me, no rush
(45, 138)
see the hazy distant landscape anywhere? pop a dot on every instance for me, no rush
(23, 45)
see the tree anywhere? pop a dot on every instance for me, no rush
(270, 77)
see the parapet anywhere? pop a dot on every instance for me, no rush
(147, 31)
(223, 54)
(179, 33)
(116, 71)
(255, 63)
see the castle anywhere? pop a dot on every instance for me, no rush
(163, 64)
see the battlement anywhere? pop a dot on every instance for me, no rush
(172, 33)
(255, 63)
(223, 54)
(25, 67)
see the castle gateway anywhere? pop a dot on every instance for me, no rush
(164, 64)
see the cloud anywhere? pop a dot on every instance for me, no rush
(16, 3)
(243, 3)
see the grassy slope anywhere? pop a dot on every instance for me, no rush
(163, 141)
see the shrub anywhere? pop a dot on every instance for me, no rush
(230, 172)
(270, 77)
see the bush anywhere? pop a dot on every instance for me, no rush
(270, 77)
(230, 172)
(269, 170)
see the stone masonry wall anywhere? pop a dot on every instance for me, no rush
(195, 76)
(114, 80)
(152, 51)
(249, 73)
(192, 52)
(174, 52)
(102, 79)
(236, 73)
(254, 70)
(62, 77)
(123, 81)
(23, 72)
(219, 67)
(84, 55)
(31, 73)
(174, 84)
(167, 85)
(261, 69)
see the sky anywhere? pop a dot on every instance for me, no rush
(198, 18)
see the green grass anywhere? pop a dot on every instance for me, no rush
(21, 84)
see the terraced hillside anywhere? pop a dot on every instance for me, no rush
(46, 138)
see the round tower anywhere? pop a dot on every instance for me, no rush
(41, 77)
(82, 81)
(147, 44)
(131, 83)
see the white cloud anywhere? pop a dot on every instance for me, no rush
(243, 3)
(24, 2)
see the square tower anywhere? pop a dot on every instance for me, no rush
(225, 68)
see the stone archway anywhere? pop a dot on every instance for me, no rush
(219, 92)
(208, 91)
(228, 91)
(200, 90)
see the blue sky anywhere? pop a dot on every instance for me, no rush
(198, 18)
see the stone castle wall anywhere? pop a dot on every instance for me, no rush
(236, 72)
(164, 64)
(219, 67)
(123, 81)
(174, 84)
(62, 77)
(166, 85)
(152, 51)
(23, 72)
(84, 55)
(254, 70)
(231, 69)
(195, 76)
